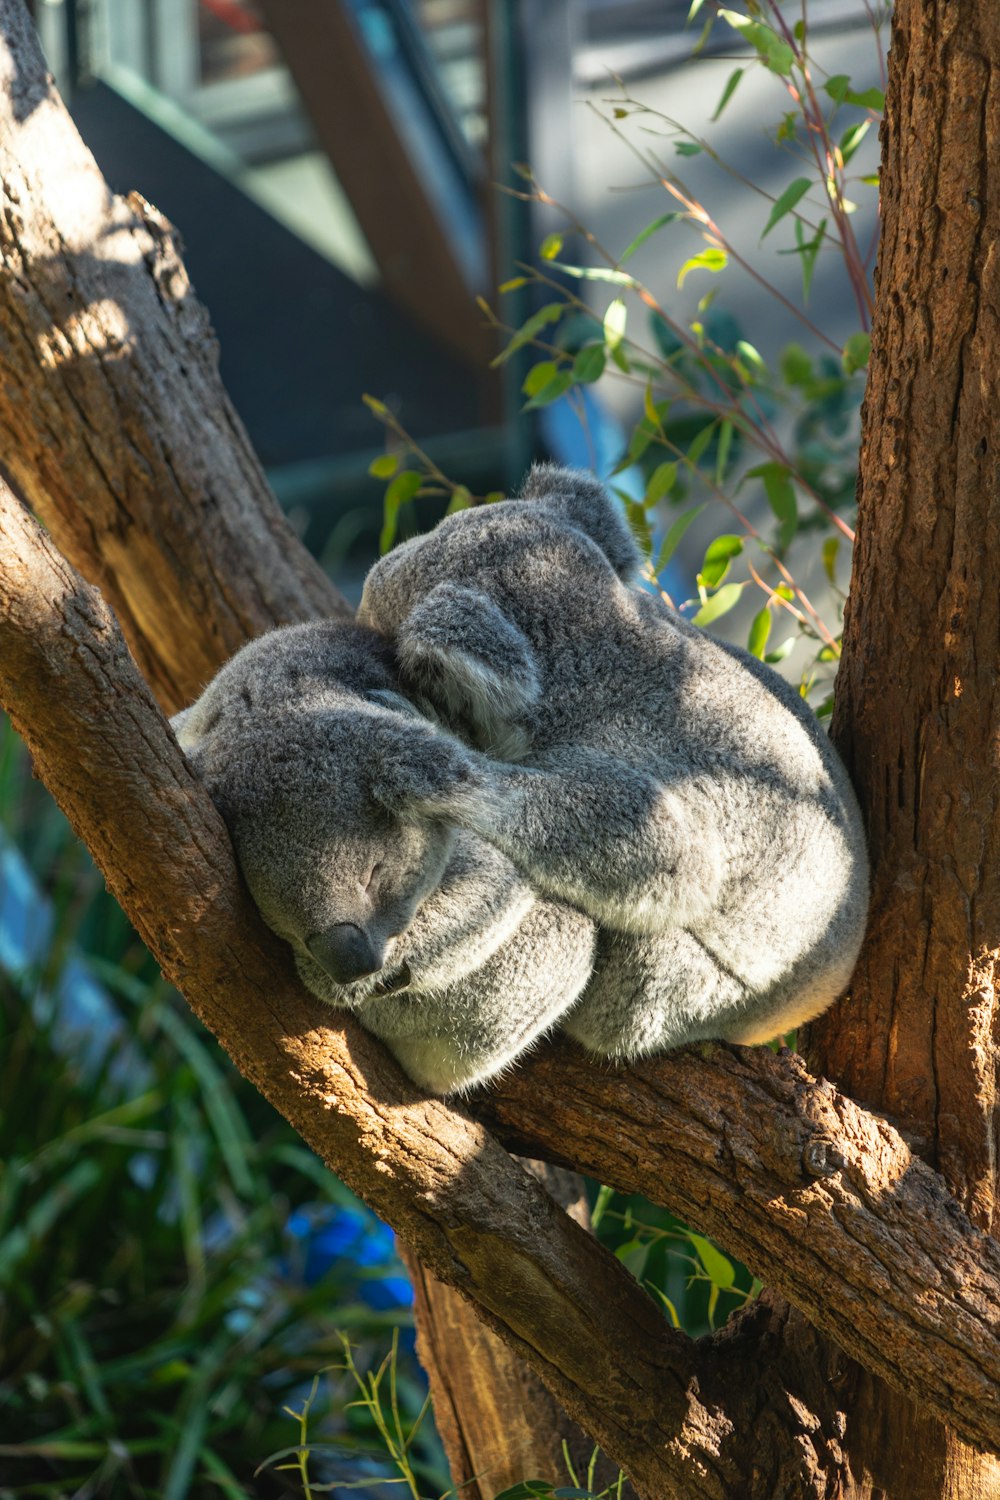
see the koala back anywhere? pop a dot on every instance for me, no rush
(622, 714)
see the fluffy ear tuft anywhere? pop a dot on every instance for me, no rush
(418, 773)
(459, 649)
(586, 504)
(186, 730)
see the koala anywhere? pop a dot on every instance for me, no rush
(670, 786)
(429, 934)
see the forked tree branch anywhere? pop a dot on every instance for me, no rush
(825, 1201)
(111, 404)
(474, 1216)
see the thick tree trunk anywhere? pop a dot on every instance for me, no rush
(918, 698)
(498, 1422)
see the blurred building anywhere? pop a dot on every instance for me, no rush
(332, 167)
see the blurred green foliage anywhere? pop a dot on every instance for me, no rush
(161, 1298)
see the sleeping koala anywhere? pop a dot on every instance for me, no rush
(429, 934)
(669, 785)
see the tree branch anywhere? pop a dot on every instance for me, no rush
(881, 1229)
(111, 403)
(474, 1216)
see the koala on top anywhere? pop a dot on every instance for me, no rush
(428, 934)
(671, 786)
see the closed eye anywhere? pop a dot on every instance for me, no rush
(372, 873)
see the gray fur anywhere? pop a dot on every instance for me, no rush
(670, 786)
(312, 757)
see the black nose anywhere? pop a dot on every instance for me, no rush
(345, 952)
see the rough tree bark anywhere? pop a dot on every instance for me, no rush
(918, 699)
(825, 1201)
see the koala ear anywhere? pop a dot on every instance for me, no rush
(418, 773)
(586, 504)
(184, 730)
(461, 650)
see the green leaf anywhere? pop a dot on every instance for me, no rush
(687, 148)
(403, 488)
(713, 260)
(808, 250)
(700, 443)
(557, 386)
(851, 139)
(760, 629)
(719, 1268)
(596, 273)
(661, 482)
(830, 549)
(728, 92)
(671, 1309)
(695, 8)
(785, 649)
(602, 1202)
(538, 376)
(792, 195)
(461, 499)
(718, 556)
(550, 313)
(639, 442)
(722, 453)
(774, 53)
(796, 366)
(856, 352)
(589, 363)
(751, 356)
(550, 246)
(614, 323)
(512, 285)
(780, 493)
(719, 604)
(675, 535)
(384, 466)
(840, 91)
(867, 99)
(648, 232)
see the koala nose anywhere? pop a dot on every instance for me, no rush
(345, 952)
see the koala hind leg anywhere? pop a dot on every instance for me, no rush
(649, 995)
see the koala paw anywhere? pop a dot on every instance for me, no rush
(423, 776)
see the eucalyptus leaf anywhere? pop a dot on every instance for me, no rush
(719, 604)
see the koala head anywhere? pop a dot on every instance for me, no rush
(323, 775)
(477, 607)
